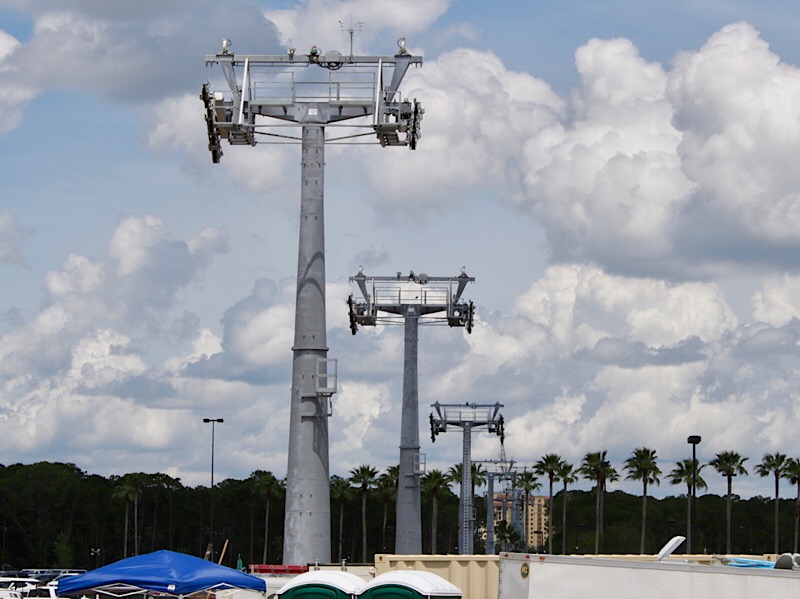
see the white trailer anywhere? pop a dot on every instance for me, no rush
(533, 576)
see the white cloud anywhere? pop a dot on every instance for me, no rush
(13, 97)
(778, 300)
(610, 180)
(478, 115)
(118, 54)
(360, 406)
(579, 305)
(103, 359)
(314, 21)
(734, 104)
(644, 178)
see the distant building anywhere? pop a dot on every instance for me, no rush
(514, 514)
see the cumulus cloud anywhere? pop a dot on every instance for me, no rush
(258, 329)
(478, 114)
(778, 300)
(681, 171)
(649, 180)
(589, 360)
(678, 172)
(312, 21)
(119, 52)
(82, 344)
(610, 179)
(13, 97)
(733, 102)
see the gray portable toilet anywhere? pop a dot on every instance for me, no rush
(409, 584)
(321, 584)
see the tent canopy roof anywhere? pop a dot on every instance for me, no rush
(161, 572)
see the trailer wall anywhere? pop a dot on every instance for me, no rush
(542, 576)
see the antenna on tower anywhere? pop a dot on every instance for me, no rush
(355, 27)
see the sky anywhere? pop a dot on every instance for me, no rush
(619, 178)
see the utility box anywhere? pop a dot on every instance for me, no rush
(409, 584)
(322, 584)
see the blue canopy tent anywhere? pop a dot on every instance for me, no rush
(163, 572)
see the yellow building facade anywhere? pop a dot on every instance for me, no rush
(537, 520)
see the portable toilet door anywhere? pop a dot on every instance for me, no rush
(409, 584)
(321, 584)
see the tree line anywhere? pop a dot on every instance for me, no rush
(56, 515)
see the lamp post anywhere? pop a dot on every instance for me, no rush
(693, 440)
(213, 422)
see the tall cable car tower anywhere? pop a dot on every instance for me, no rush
(413, 300)
(498, 470)
(265, 92)
(467, 417)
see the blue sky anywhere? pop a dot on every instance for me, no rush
(618, 178)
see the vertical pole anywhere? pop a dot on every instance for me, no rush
(465, 541)
(516, 516)
(504, 508)
(490, 515)
(409, 514)
(213, 423)
(308, 520)
(694, 496)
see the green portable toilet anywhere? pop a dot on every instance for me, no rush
(321, 584)
(409, 584)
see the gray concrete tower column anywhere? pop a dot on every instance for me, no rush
(409, 515)
(308, 520)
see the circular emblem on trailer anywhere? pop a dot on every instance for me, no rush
(524, 570)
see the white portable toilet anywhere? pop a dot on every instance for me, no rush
(409, 584)
(321, 584)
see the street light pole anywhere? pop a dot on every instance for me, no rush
(213, 422)
(693, 440)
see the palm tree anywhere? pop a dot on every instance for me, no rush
(688, 471)
(124, 491)
(363, 477)
(508, 536)
(596, 467)
(159, 484)
(793, 475)
(548, 466)
(434, 482)
(729, 464)
(527, 482)
(341, 491)
(387, 487)
(454, 473)
(266, 486)
(774, 464)
(478, 475)
(643, 466)
(129, 489)
(566, 474)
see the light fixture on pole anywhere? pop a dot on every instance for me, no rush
(693, 440)
(213, 422)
